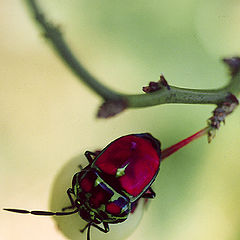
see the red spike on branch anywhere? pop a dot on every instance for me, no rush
(169, 151)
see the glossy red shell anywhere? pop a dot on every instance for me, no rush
(137, 155)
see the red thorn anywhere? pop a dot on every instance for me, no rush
(170, 150)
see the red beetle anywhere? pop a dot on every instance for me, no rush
(108, 188)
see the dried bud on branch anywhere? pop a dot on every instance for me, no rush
(234, 64)
(111, 108)
(155, 86)
(220, 113)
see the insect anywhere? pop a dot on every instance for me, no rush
(109, 187)
(106, 190)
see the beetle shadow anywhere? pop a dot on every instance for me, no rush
(70, 225)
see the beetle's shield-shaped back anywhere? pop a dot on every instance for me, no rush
(133, 160)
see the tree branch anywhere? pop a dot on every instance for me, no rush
(115, 102)
(53, 34)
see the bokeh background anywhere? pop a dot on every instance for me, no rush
(47, 116)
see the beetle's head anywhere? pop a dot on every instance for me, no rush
(97, 201)
(87, 214)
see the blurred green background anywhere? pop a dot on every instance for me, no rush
(47, 116)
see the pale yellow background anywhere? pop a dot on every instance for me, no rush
(47, 116)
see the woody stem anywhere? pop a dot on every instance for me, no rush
(171, 95)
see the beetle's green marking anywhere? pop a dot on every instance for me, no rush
(98, 181)
(121, 171)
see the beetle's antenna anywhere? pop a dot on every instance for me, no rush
(40, 213)
(169, 151)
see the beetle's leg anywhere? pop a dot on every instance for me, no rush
(69, 192)
(105, 225)
(89, 156)
(83, 230)
(149, 193)
(88, 231)
(105, 228)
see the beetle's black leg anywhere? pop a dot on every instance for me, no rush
(149, 193)
(105, 229)
(89, 156)
(69, 192)
(87, 225)
(105, 225)
(88, 232)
